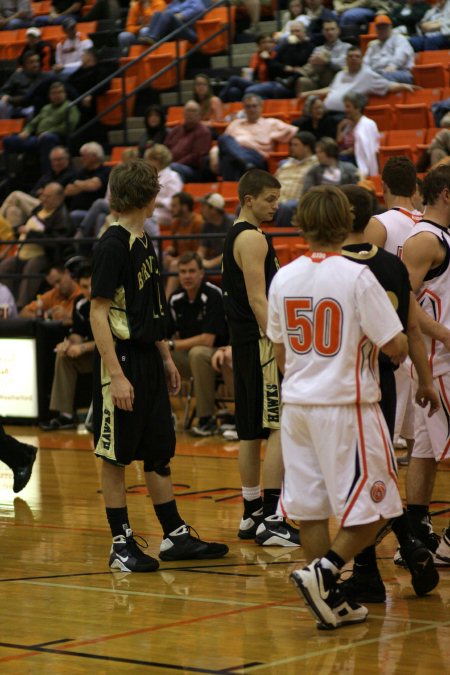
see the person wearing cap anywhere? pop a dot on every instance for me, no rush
(217, 221)
(434, 29)
(69, 51)
(391, 54)
(15, 14)
(42, 48)
(197, 327)
(61, 10)
(16, 94)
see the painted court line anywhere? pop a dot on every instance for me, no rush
(341, 648)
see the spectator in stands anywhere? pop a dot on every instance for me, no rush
(155, 128)
(160, 157)
(74, 356)
(103, 9)
(184, 221)
(198, 327)
(291, 175)
(358, 12)
(362, 138)
(68, 51)
(325, 61)
(316, 119)
(90, 181)
(60, 11)
(58, 303)
(175, 15)
(408, 15)
(210, 106)
(316, 14)
(52, 126)
(247, 142)
(49, 220)
(8, 309)
(390, 54)
(16, 94)
(42, 48)
(217, 221)
(236, 85)
(90, 73)
(292, 15)
(286, 65)
(434, 28)
(18, 205)
(329, 171)
(189, 144)
(15, 14)
(356, 78)
(138, 20)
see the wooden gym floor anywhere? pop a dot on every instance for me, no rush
(62, 611)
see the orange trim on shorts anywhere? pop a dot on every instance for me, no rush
(358, 365)
(444, 396)
(389, 459)
(363, 480)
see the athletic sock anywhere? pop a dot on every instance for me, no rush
(366, 561)
(118, 520)
(270, 501)
(252, 500)
(332, 561)
(418, 520)
(168, 516)
(401, 528)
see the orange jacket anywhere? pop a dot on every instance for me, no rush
(139, 15)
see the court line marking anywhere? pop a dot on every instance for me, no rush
(341, 648)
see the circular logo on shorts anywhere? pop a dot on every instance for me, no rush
(378, 491)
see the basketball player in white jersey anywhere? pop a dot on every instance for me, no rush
(426, 254)
(389, 230)
(328, 317)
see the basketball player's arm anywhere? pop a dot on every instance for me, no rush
(426, 394)
(396, 348)
(420, 254)
(122, 391)
(172, 374)
(279, 351)
(375, 233)
(250, 250)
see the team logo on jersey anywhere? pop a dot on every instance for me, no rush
(378, 491)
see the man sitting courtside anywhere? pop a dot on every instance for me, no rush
(198, 327)
(56, 304)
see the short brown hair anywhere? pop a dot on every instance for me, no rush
(400, 175)
(324, 215)
(133, 185)
(434, 183)
(254, 182)
(361, 201)
(188, 257)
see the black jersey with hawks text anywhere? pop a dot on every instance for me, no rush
(125, 270)
(391, 273)
(241, 319)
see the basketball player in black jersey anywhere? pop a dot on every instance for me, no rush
(134, 373)
(249, 265)
(365, 584)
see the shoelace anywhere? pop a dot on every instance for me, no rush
(137, 542)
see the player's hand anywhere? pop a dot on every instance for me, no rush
(401, 351)
(122, 392)
(74, 351)
(428, 396)
(173, 377)
(446, 341)
(217, 360)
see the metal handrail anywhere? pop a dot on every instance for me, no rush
(123, 69)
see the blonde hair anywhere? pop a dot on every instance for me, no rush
(324, 215)
(159, 153)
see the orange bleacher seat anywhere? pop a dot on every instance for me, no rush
(274, 159)
(114, 94)
(117, 153)
(387, 151)
(427, 96)
(376, 180)
(229, 191)
(155, 61)
(175, 115)
(412, 116)
(200, 189)
(391, 98)
(430, 134)
(430, 75)
(441, 56)
(383, 115)
(277, 107)
(210, 24)
(283, 253)
(405, 137)
(42, 8)
(299, 249)
(364, 41)
(10, 126)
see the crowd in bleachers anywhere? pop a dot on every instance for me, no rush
(328, 97)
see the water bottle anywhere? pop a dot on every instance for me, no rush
(39, 307)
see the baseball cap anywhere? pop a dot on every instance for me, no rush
(215, 200)
(35, 32)
(69, 22)
(382, 20)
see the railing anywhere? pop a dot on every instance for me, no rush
(121, 72)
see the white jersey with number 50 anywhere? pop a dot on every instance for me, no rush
(332, 316)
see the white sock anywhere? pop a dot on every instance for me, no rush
(251, 493)
(324, 562)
